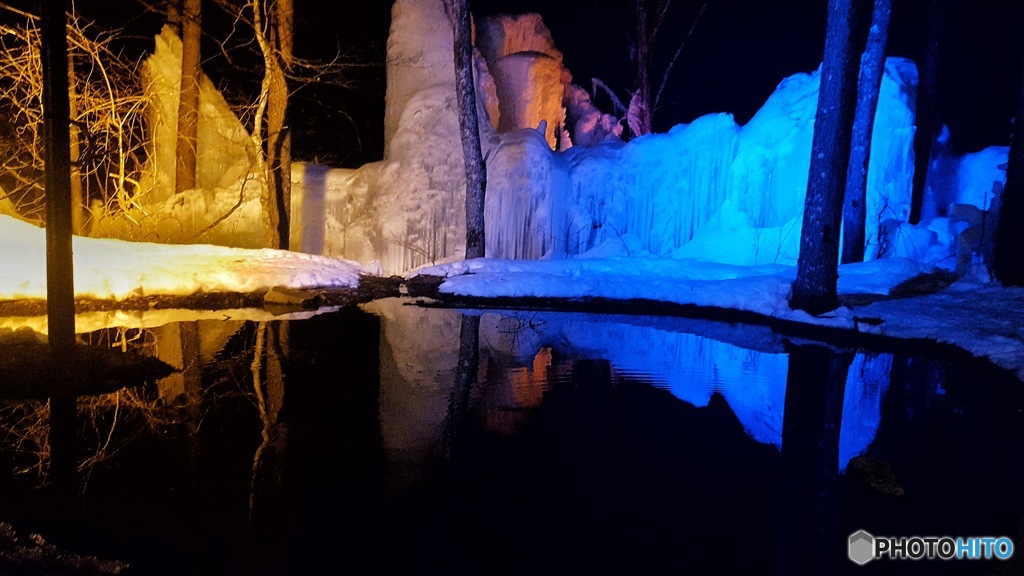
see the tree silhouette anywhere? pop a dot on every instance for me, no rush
(814, 290)
(188, 96)
(1009, 248)
(926, 110)
(60, 291)
(469, 130)
(869, 84)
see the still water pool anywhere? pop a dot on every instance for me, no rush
(391, 437)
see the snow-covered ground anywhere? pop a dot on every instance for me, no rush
(983, 319)
(116, 270)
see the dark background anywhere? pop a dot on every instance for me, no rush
(741, 49)
(738, 53)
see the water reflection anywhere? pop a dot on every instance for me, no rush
(747, 369)
(808, 539)
(425, 439)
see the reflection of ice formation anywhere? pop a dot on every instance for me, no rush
(747, 367)
(693, 367)
(419, 353)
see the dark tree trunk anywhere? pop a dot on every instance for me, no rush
(465, 89)
(465, 382)
(640, 112)
(926, 111)
(869, 84)
(817, 265)
(174, 15)
(279, 142)
(807, 534)
(1009, 249)
(60, 286)
(188, 103)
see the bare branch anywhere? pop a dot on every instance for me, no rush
(596, 83)
(679, 50)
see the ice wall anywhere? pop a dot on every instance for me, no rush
(224, 153)
(714, 190)
(653, 192)
(709, 189)
(224, 208)
(760, 220)
(525, 213)
(528, 73)
(419, 56)
(960, 213)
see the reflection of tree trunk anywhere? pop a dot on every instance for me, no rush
(907, 399)
(63, 505)
(465, 380)
(191, 375)
(268, 375)
(191, 365)
(62, 433)
(808, 538)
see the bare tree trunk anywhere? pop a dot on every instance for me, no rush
(469, 130)
(639, 117)
(278, 137)
(60, 286)
(649, 15)
(174, 15)
(188, 103)
(1009, 248)
(926, 110)
(869, 84)
(78, 201)
(814, 290)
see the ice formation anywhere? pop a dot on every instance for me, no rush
(225, 159)
(560, 181)
(674, 194)
(652, 195)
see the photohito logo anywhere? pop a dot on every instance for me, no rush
(863, 547)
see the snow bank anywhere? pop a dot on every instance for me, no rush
(114, 269)
(983, 319)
